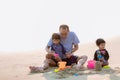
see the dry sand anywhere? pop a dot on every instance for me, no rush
(14, 66)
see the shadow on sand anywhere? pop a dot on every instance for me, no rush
(72, 74)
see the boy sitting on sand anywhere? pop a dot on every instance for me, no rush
(101, 54)
(55, 54)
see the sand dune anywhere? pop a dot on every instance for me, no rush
(15, 66)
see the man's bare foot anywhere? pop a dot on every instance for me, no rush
(78, 67)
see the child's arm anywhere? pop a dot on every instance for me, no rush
(47, 49)
(107, 55)
(95, 56)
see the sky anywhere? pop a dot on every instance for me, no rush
(28, 24)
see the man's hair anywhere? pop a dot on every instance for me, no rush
(100, 41)
(64, 26)
(55, 36)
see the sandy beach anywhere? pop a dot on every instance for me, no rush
(14, 66)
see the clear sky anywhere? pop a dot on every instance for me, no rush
(28, 24)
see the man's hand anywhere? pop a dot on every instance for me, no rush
(75, 48)
(68, 55)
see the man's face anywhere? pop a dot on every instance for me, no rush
(64, 32)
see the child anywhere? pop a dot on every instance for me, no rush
(57, 50)
(101, 54)
(55, 54)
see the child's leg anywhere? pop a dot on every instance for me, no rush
(52, 59)
(41, 68)
(47, 63)
(52, 63)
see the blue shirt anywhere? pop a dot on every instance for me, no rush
(68, 41)
(59, 49)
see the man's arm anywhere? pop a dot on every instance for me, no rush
(75, 43)
(75, 48)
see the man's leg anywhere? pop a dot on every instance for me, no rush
(81, 61)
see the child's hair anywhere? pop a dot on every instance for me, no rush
(99, 41)
(55, 36)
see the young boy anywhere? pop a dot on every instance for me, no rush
(56, 51)
(55, 54)
(101, 54)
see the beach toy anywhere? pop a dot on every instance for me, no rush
(56, 70)
(100, 56)
(106, 67)
(91, 64)
(56, 55)
(62, 65)
(68, 66)
(98, 66)
(103, 52)
(76, 74)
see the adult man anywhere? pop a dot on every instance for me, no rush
(70, 42)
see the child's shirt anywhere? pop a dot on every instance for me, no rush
(101, 54)
(59, 49)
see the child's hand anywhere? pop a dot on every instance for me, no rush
(102, 59)
(68, 55)
(51, 52)
(57, 57)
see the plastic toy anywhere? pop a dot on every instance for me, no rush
(91, 64)
(103, 52)
(106, 67)
(100, 56)
(98, 66)
(56, 55)
(62, 65)
(56, 70)
(68, 66)
(76, 74)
